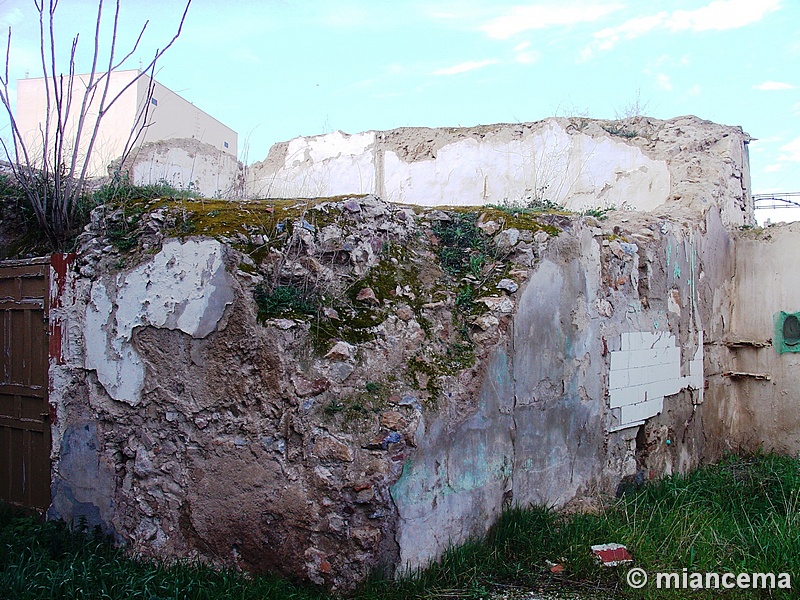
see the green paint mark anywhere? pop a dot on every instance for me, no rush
(787, 332)
(676, 272)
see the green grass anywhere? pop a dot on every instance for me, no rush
(283, 299)
(463, 246)
(49, 560)
(742, 516)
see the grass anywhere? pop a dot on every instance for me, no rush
(282, 300)
(50, 560)
(740, 516)
(463, 246)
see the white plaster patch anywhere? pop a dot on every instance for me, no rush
(644, 371)
(573, 169)
(325, 165)
(184, 287)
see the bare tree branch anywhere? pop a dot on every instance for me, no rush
(53, 179)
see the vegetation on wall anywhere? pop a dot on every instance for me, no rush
(739, 516)
(52, 169)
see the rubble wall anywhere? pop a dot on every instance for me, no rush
(399, 416)
(333, 386)
(641, 163)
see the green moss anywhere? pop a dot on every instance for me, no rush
(418, 365)
(455, 358)
(229, 218)
(520, 218)
(248, 268)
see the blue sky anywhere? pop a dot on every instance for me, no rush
(273, 70)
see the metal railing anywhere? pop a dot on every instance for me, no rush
(778, 200)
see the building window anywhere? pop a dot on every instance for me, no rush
(153, 101)
(225, 144)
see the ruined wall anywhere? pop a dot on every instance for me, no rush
(764, 382)
(187, 163)
(328, 387)
(640, 163)
(390, 423)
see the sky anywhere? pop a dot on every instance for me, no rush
(277, 69)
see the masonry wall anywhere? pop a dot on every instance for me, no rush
(642, 164)
(546, 430)
(189, 164)
(765, 408)
(188, 427)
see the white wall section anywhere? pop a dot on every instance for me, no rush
(184, 287)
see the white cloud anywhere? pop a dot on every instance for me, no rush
(769, 86)
(718, 15)
(695, 90)
(796, 108)
(772, 168)
(722, 14)
(663, 82)
(630, 29)
(465, 67)
(525, 18)
(527, 58)
(791, 151)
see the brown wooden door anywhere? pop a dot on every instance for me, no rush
(24, 409)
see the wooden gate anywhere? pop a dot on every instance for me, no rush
(24, 409)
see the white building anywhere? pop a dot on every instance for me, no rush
(170, 117)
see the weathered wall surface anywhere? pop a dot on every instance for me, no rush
(545, 430)
(325, 387)
(765, 412)
(579, 163)
(188, 427)
(187, 163)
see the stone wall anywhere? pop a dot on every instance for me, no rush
(642, 164)
(327, 387)
(188, 427)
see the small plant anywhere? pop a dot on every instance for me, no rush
(476, 262)
(334, 407)
(372, 387)
(465, 296)
(598, 213)
(282, 299)
(620, 131)
(536, 203)
(463, 244)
